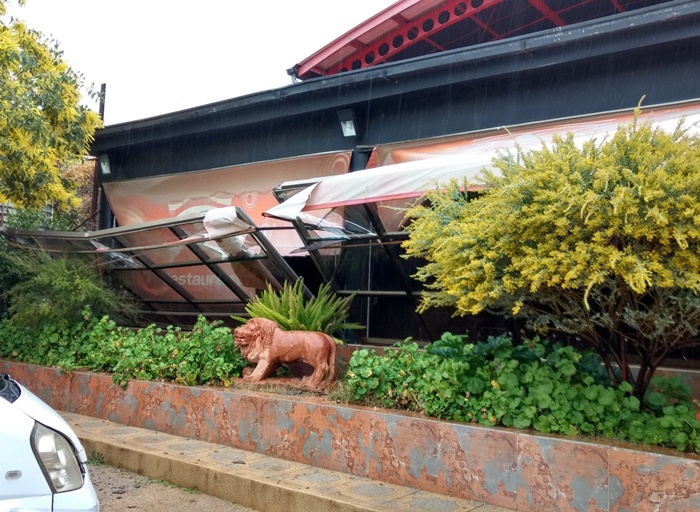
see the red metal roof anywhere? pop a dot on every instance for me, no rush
(412, 28)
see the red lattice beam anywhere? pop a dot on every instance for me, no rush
(548, 12)
(419, 29)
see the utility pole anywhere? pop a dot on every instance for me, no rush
(95, 204)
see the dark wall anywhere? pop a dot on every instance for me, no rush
(619, 81)
(283, 138)
(401, 109)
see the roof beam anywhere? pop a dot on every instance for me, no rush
(548, 12)
(617, 5)
(408, 34)
(485, 26)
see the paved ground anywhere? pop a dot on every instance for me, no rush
(264, 483)
(123, 491)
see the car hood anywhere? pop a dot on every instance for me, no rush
(32, 406)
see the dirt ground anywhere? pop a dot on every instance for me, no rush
(122, 491)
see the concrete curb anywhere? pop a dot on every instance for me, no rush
(264, 483)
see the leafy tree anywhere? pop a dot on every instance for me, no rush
(601, 242)
(43, 126)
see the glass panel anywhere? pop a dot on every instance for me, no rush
(356, 220)
(27, 240)
(253, 275)
(119, 261)
(166, 266)
(285, 241)
(103, 243)
(335, 222)
(148, 237)
(192, 228)
(361, 267)
(148, 285)
(386, 318)
(239, 246)
(249, 187)
(177, 254)
(62, 244)
(229, 308)
(177, 307)
(476, 327)
(201, 283)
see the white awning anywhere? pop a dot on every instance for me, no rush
(391, 182)
(436, 164)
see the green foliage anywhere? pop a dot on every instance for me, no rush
(55, 290)
(35, 219)
(383, 380)
(206, 354)
(13, 268)
(43, 126)
(667, 391)
(600, 241)
(95, 458)
(292, 311)
(547, 387)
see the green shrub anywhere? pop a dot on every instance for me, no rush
(204, 355)
(36, 219)
(539, 385)
(55, 290)
(292, 311)
(13, 268)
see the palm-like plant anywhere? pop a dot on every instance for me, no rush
(327, 312)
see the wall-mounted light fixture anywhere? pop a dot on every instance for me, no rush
(104, 164)
(346, 122)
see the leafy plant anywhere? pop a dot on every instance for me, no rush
(599, 240)
(206, 354)
(326, 312)
(95, 458)
(50, 219)
(55, 290)
(13, 265)
(540, 385)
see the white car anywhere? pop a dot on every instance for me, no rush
(42, 463)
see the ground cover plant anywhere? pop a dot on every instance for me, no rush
(204, 355)
(538, 385)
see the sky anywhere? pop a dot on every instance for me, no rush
(160, 56)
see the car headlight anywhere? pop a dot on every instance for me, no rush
(57, 459)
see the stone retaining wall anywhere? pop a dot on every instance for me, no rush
(507, 468)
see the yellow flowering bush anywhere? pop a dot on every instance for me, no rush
(43, 126)
(600, 241)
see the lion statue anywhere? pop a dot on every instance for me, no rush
(261, 341)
